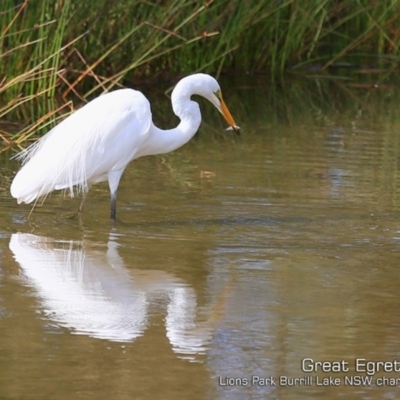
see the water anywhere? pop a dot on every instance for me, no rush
(234, 259)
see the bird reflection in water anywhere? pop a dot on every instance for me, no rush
(90, 292)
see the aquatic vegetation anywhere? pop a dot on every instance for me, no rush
(56, 51)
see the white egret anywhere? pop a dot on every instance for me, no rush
(97, 142)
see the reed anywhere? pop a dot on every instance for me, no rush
(56, 51)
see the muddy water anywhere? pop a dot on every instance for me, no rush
(234, 259)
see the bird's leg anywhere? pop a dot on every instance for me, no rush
(113, 181)
(113, 215)
(84, 194)
(80, 208)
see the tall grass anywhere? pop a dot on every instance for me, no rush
(56, 51)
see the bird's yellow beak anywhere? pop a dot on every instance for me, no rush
(228, 116)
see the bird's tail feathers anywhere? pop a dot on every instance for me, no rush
(38, 177)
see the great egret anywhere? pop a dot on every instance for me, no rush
(97, 142)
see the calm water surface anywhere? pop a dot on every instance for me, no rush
(233, 259)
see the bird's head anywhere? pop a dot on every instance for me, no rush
(212, 92)
(206, 86)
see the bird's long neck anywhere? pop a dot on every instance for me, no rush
(163, 141)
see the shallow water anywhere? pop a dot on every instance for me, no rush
(233, 259)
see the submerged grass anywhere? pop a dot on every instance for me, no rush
(55, 51)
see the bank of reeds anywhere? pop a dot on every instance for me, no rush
(56, 51)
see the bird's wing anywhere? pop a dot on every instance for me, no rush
(104, 134)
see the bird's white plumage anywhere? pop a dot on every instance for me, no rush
(97, 142)
(83, 148)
